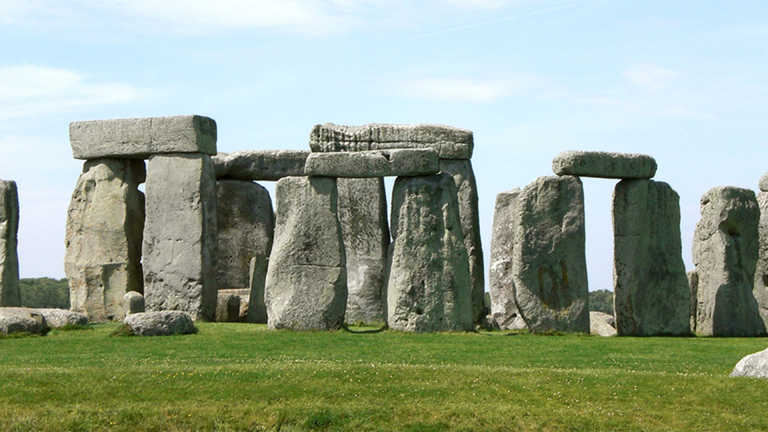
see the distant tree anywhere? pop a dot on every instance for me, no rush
(45, 293)
(601, 301)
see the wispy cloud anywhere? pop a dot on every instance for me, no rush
(465, 89)
(650, 76)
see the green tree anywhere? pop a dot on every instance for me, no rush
(601, 301)
(45, 293)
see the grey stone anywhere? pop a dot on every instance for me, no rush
(246, 227)
(549, 263)
(62, 317)
(651, 291)
(105, 223)
(306, 287)
(22, 320)
(752, 366)
(464, 177)
(763, 183)
(365, 229)
(449, 142)
(725, 253)
(258, 165)
(10, 294)
(501, 283)
(161, 323)
(378, 163)
(180, 236)
(600, 324)
(257, 309)
(428, 287)
(760, 288)
(139, 138)
(133, 302)
(232, 305)
(693, 284)
(604, 165)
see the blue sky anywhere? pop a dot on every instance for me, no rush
(683, 81)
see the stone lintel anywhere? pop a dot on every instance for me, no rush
(379, 163)
(260, 165)
(604, 165)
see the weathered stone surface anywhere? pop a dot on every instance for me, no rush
(760, 288)
(693, 284)
(105, 223)
(464, 177)
(62, 317)
(549, 263)
(365, 229)
(232, 305)
(246, 227)
(651, 292)
(10, 294)
(180, 236)
(429, 286)
(306, 286)
(22, 320)
(604, 165)
(449, 142)
(378, 163)
(139, 138)
(752, 366)
(599, 324)
(161, 323)
(501, 283)
(763, 183)
(258, 165)
(725, 252)
(133, 302)
(257, 309)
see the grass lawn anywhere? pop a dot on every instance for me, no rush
(241, 377)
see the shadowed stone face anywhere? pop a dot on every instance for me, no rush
(9, 228)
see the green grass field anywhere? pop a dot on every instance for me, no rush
(233, 377)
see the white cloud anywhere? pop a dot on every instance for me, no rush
(650, 76)
(465, 89)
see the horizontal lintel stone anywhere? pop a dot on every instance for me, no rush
(259, 165)
(381, 163)
(449, 142)
(138, 138)
(604, 165)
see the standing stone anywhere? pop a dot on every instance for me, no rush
(180, 235)
(725, 252)
(105, 224)
(365, 229)
(10, 294)
(760, 290)
(232, 305)
(549, 260)
(693, 283)
(462, 173)
(501, 284)
(306, 286)
(651, 292)
(133, 302)
(257, 310)
(246, 226)
(428, 288)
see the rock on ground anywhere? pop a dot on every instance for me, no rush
(604, 165)
(306, 287)
(105, 224)
(10, 294)
(378, 163)
(501, 283)
(22, 320)
(62, 317)
(600, 324)
(161, 323)
(752, 366)
(232, 305)
(725, 253)
(258, 165)
(549, 262)
(651, 292)
(133, 302)
(428, 288)
(180, 236)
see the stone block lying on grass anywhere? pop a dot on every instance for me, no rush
(163, 323)
(753, 366)
(22, 320)
(63, 317)
(600, 324)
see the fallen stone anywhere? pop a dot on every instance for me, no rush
(10, 294)
(378, 163)
(763, 183)
(246, 227)
(259, 165)
(599, 324)
(364, 226)
(62, 317)
(693, 283)
(651, 292)
(22, 320)
(725, 253)
(160, 323)
(232, 305)
(760, 288)
(549, 263)
(752, 366)
(257, 309)
(501, 283)
(604, 165)
(464, 177)
(133, 302)
(105, 224)
(138, 138)
(180, 236)
(449, 142)
(428, 289)
(306, 287)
